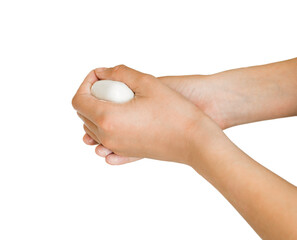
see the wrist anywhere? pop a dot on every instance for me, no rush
(206, 141)
(174, 81)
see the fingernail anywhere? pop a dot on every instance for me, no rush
(100, 69)
(103, 152)
(114, 160)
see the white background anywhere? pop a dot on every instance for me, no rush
(52, 186)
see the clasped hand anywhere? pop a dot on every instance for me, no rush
(157, 123)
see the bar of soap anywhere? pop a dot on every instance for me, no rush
(113, 91)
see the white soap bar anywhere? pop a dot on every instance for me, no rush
(113, 91)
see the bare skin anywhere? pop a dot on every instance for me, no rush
(233, 97)
(266, 201)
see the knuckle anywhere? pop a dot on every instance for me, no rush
(87, 130)
(75, 101)
(107, 126)
(146, 79)
(105, 123)
(99, 120)
(119, 68)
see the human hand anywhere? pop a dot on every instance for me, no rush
(161, 120)
(234, 97)
(202, 91)
(191, 87)
(253, 190)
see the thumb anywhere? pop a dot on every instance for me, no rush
(135, 80)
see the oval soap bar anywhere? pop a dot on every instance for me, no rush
(113, 91)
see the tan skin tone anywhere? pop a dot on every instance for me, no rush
(190, 132)
(232, 97)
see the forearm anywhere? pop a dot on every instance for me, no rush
(258, 93)
(266, 201)
(242, 95)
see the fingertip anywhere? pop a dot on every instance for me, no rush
(88, 140)
(101, 69)
(102, 151)
(114, 159)
(85, 87)
(99, 72)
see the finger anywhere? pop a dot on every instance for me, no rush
(114, 159)
(102, 151)
(88, 123)
(88, 140)
(132, 78)
(90, 133)
(85, 87)
(87, 104)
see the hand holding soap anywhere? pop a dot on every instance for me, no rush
(113, 91)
